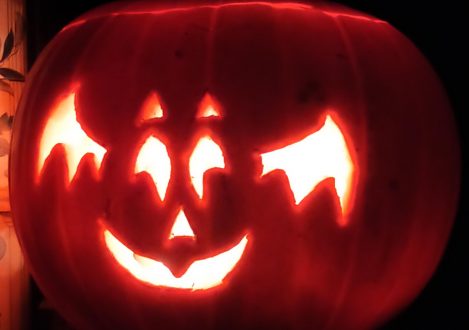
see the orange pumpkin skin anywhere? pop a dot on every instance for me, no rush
(275, 70)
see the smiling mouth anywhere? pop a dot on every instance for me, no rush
(202, 274)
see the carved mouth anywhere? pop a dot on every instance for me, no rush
(202, 274)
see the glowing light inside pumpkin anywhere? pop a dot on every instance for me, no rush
(151, 108)
(62, 127)
(206, 155)
(201, 275)
(181, 227)
(153, 158)
(208, 108)
(306, 163)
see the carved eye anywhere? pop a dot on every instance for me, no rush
(153, 158)
(63, 128)
(206, 155)
(151, 109)
(209, 108)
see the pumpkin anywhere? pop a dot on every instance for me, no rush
(237, 165)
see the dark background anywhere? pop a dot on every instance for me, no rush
(439, 30)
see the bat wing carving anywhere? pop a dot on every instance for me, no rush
(321, 155)
(62, 127)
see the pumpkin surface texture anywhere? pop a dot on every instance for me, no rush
(232, 166)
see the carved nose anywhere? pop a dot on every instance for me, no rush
(181, 227)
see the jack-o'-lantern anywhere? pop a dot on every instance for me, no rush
(238, 165)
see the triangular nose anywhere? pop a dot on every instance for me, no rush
(181, 227)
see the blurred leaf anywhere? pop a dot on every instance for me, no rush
(5, 87)
(8, 45)
(7, 119)
(10, 74)
(4, 147)
(4, 117)
(6, 122)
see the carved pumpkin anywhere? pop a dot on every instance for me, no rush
(239, 165)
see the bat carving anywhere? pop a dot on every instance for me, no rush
(63, 128)
(306, 163)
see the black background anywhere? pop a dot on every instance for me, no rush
(439, 30)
